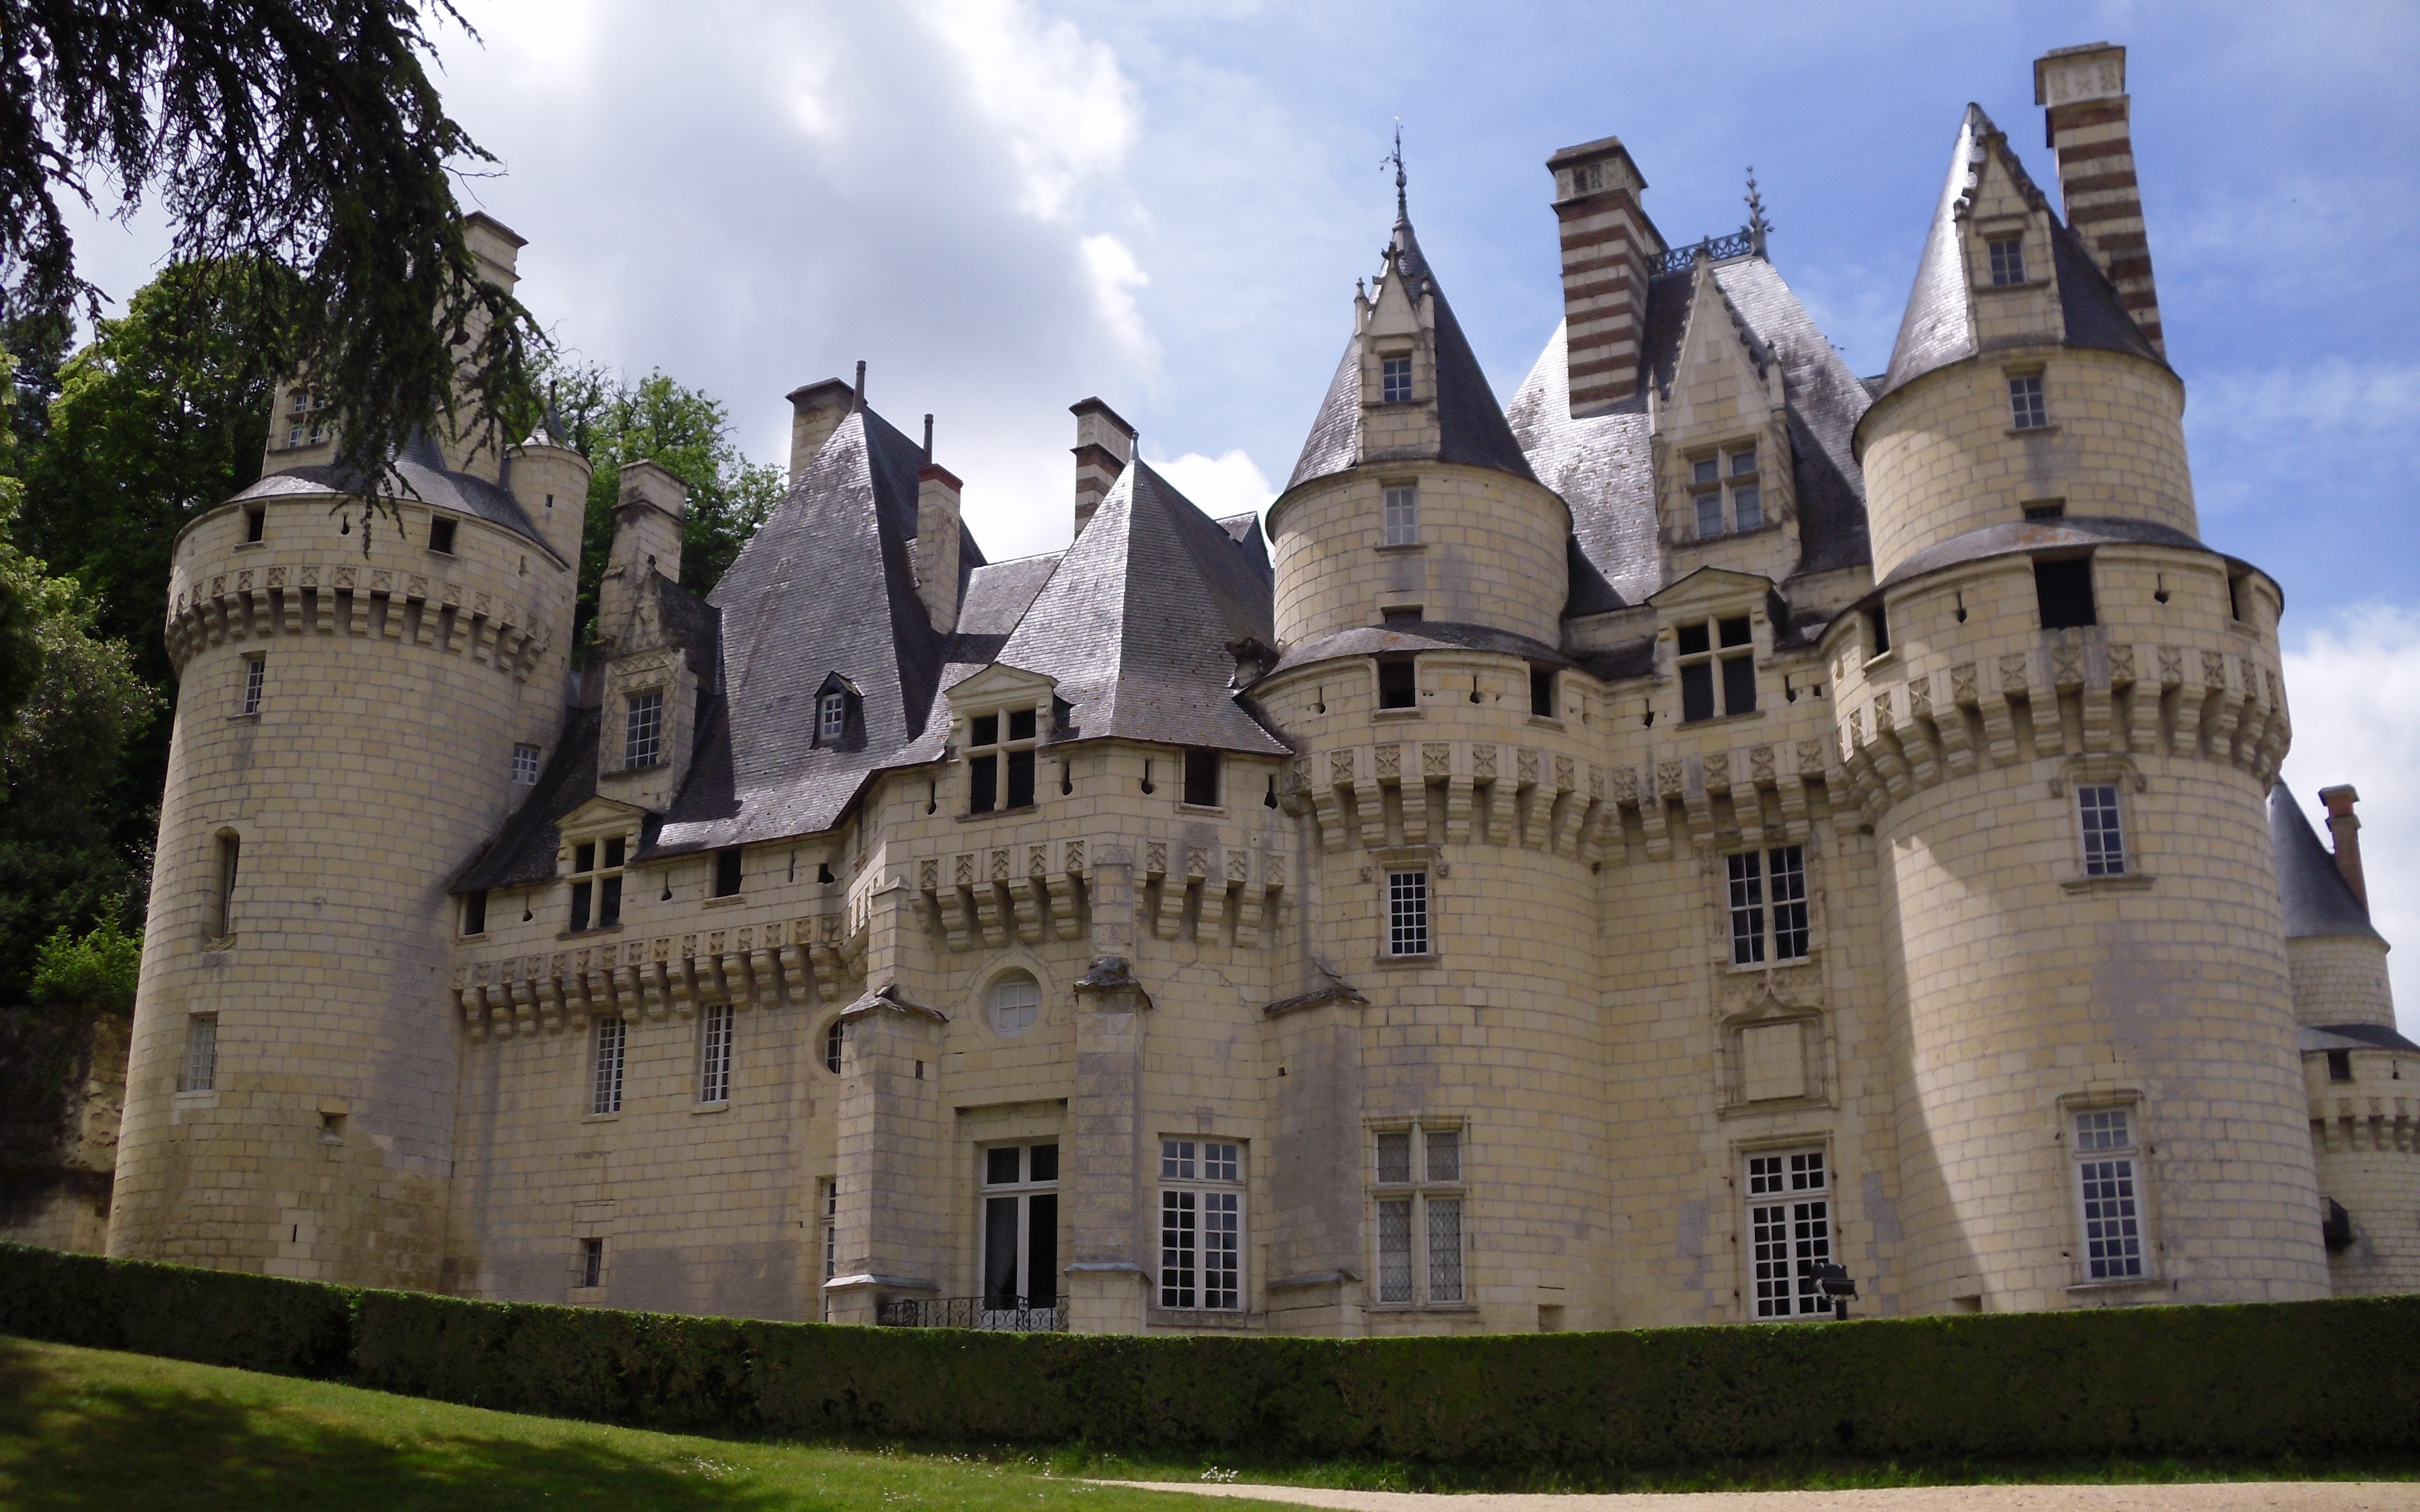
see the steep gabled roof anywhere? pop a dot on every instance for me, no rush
(826, 585)
(1470, 424)
(1136, 621)
(1938, 325)
(2316, 897)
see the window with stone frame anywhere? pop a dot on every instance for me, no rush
(1766, 894)
(643, 729)
(1201, 1225)
(716, 1025)
(596, 883)
(526, 764)
(200, 1072)
(827, 1209)
(1418, 1195)
(1717, 664)
(1407, 912)
(605, 1079)
(2101, 828)
(1790, 1233)
(1395, 380)
(255, 682)
(1400, 512)
(1725, 494)
(2008, 259)
(2108, 1192)
(999, 760)
(2028, 408)
(1020, 1226)
(832, 718)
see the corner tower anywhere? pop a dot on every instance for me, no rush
(355, 695)
(2062, 712)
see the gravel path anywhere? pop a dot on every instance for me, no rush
(2218, 1496)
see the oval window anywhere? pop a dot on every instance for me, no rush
(1015, 1002)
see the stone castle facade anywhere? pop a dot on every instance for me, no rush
(1590, 861)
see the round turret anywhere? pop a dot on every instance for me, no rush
(346, 735)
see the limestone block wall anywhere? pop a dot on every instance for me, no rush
(2366, 1136)
(1940, 459)
(392, 689)
(2340, 979)
(1490, 552)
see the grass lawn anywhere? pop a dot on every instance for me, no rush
(89, 1429)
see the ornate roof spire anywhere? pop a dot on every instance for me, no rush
(1402, 216)
(1758, 226)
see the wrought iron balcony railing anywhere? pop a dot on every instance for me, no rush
(1740, 243)
(1027, 1315)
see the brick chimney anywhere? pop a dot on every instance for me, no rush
(1104, 445)
(1609, 249)
(816, 412)
(937, 544)
(2346, 830)
(2084, 88)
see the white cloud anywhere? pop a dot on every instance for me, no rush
(1225, 486)
(1115, 277)
(1067, 114)
(2355, 687)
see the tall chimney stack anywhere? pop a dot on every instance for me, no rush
(2346, 830)
(937, 532)
(1609, 249)
(2087, 126)
(816, 412)
(1104, 445)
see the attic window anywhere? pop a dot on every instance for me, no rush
(832, 716)
(2063, 589)
(1201, 778)
(726, 873)
(441, 534)
(2339, 1065)
(1542, 693)
(1397, 683)
(475, 913)
(987, 753)
(1717, 472)
(596, 884)
(1714, 658)
(1395, 380)
(2008, 259)
(256, 524)
(1877, 631)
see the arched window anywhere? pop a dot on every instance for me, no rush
(1015, 1002)
(831, 1048)
(221, 920)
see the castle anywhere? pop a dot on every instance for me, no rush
(1603, 860)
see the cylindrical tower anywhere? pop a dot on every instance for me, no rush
(2062, 712)
(349, 727)
(1420, 575)
(2363, 1075)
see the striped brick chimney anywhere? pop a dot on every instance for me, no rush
(1609, 248)
(2084, 88)
(1104, 445)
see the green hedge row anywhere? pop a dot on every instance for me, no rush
(2263, 1380)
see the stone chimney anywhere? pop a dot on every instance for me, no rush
(646, 543)
(2346, 830)
(497, 247)
(1104, 445)
(816, 412)
(2085, 90)
(937, 544)
(1609, 251)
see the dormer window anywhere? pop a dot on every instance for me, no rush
(1726, 477)
(1395, 380)
(832, 716)
(643, 729)
(1001, 745)
(2008, 256)
(1718, 663)
(596, 884)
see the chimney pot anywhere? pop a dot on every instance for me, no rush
(2345, 827)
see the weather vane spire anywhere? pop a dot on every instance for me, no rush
(1396, 158)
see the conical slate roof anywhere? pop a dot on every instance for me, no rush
(2316, 897)
(1138, 617)
(1938, 327)
(1470, 423)
(824, 587)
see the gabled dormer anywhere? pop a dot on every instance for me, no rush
(1395, 323)
(653, 637)
(839, 715)
(599, 839)
(998, 719)
(1724, 482)
(1713, 634)
(2005, 242)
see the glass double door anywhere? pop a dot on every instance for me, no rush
(1020, 1230)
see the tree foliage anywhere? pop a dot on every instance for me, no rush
(96, 970)
(294, 134)
(614, 421)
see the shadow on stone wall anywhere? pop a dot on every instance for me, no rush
(62, 1088)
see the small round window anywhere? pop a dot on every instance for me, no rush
(1015, 1002)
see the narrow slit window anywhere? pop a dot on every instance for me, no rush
(592, 1264)
(255, 682)
(834, 1038)
(230, 855)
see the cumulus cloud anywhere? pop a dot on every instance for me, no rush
(1223, 487)
(2355, 691)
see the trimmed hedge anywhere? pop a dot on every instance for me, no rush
(2252, 1381)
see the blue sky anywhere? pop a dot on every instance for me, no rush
(1006, 205)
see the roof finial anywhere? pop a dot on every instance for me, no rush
(1758, 226)
(1396, 157)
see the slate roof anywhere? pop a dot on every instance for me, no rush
(1603, 466)
(523, 851)
(422, 468)
(1470, 424)
(2310, 1036)
(2316, 899)
(1421, 635)
(1136, 620)
(2068, 531)
(825, 586)
(1938, 327)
